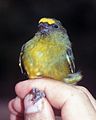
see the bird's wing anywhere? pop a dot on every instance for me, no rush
(20, 59)
(70, 59)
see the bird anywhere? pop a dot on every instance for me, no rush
(49, 54)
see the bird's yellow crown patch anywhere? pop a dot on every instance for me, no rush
(48, 20)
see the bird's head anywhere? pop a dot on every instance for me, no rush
(47, 25)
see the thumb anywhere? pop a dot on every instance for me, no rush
(40, 110)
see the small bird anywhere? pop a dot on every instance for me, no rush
(49, 53)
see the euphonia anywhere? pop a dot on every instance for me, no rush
(49, 53)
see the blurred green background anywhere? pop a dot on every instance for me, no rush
(18, 23)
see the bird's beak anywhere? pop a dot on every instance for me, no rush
(43, 27)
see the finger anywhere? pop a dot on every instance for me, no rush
(56, 92)
(16, 106)
(93, 101)
(10, 107)
(41, 109)
(78, 107)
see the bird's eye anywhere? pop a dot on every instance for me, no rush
(55, 26)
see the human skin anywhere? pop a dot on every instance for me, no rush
(71, 101)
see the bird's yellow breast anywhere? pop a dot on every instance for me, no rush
(46, 59)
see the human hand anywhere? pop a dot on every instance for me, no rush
(71, 101)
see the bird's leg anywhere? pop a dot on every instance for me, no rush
(37, 95)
